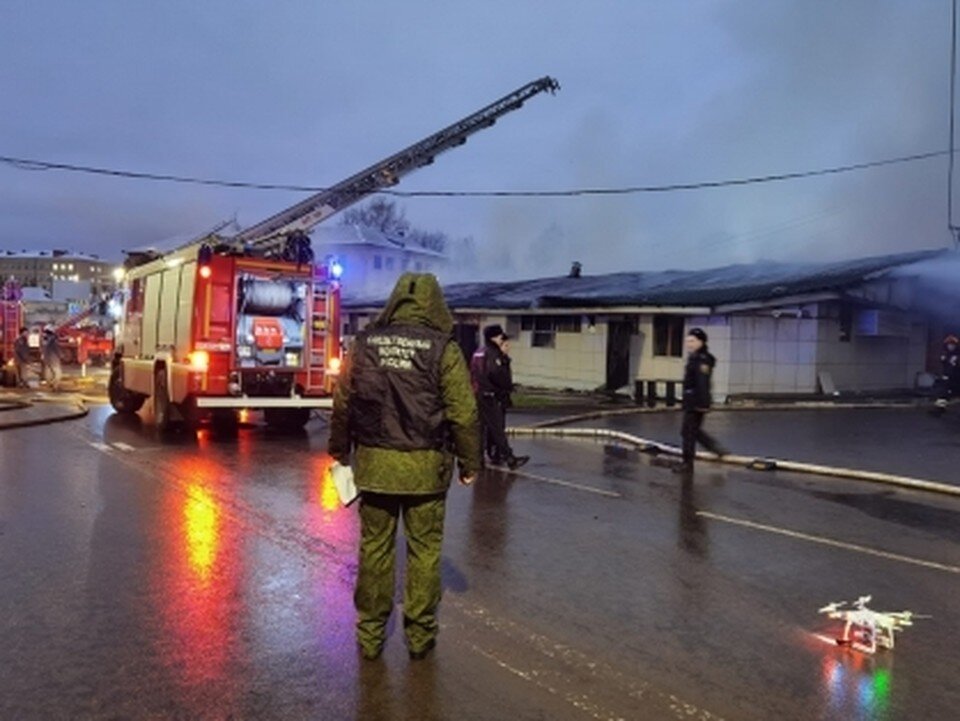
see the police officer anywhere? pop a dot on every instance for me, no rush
(697, 398)
(492, 381)
(404, 410)
(950, 372)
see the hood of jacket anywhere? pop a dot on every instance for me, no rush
(417, 299)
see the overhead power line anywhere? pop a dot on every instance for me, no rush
(29, 164)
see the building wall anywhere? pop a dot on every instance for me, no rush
(866, 363)
(42, 269)
(786, 354)
(774, 351)
(768, 354)
(577, 361)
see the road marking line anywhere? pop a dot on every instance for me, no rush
(101, 446)
(831, 542)
(559, 482)
(123, 446)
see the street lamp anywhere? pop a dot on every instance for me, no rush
(118, 274)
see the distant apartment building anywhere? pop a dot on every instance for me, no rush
(371, 260)
(53, 270)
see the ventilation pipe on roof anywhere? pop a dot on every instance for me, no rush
(575, 269)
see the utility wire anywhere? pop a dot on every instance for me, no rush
(28, 164)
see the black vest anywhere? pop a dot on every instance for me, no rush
(395, 399)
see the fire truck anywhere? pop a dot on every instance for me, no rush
(251, 321)
(83, 341)
(11, 320)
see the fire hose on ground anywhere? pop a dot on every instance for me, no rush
(644, 445)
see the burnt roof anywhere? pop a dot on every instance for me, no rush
(743, 283)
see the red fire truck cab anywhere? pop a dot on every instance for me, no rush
(206, 335)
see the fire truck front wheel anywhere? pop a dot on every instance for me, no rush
(286, 419)
(122, 400)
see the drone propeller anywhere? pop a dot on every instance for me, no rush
(831, 607)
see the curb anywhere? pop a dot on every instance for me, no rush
(80, 412)
(753, 463)
(11, 405)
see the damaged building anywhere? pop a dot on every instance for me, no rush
(858, 326)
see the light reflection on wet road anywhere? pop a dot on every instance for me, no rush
(212, 577)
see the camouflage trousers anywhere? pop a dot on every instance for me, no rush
(373, 598)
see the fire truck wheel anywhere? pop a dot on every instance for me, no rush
(161, 402)
(192, 415)
(122, 400)
(225, 422)
(286, 419)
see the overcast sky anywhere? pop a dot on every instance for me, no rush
(653, 92)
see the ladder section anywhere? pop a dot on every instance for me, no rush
(319, 332)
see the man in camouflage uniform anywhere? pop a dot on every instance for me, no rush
(405, 410)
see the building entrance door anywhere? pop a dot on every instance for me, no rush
(619, 335)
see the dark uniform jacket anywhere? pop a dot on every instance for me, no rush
(697, 380)
(403, 410)
(21, 349)
(490, 372)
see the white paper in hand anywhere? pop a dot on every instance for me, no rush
(342, 477)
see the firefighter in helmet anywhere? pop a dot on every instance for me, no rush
(949, 371)
(405, 415)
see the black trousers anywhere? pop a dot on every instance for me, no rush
(493, 427)
(692, 433)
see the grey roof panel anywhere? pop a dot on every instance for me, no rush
(718, 286)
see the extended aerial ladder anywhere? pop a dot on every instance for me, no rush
(249, 321)
(270, 237)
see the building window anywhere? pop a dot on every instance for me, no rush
(544, 335)
(377, 262)
(545, 328)
(668, 335)
(389, 262)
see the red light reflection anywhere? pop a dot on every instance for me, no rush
(198, 576)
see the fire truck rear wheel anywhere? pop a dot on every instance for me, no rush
(161, 402)
(122, 400)
(286, 419)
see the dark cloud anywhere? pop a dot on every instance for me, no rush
(653, 92)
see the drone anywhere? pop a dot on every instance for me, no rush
(867, 630)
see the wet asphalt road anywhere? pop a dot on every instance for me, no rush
(211, 578)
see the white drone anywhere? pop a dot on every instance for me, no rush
(867, 630)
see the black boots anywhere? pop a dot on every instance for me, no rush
(514, 462)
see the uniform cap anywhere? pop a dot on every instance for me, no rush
(494, 331)
(699, 334)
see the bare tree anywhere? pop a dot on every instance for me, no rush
(391, 220)
(380, 214)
